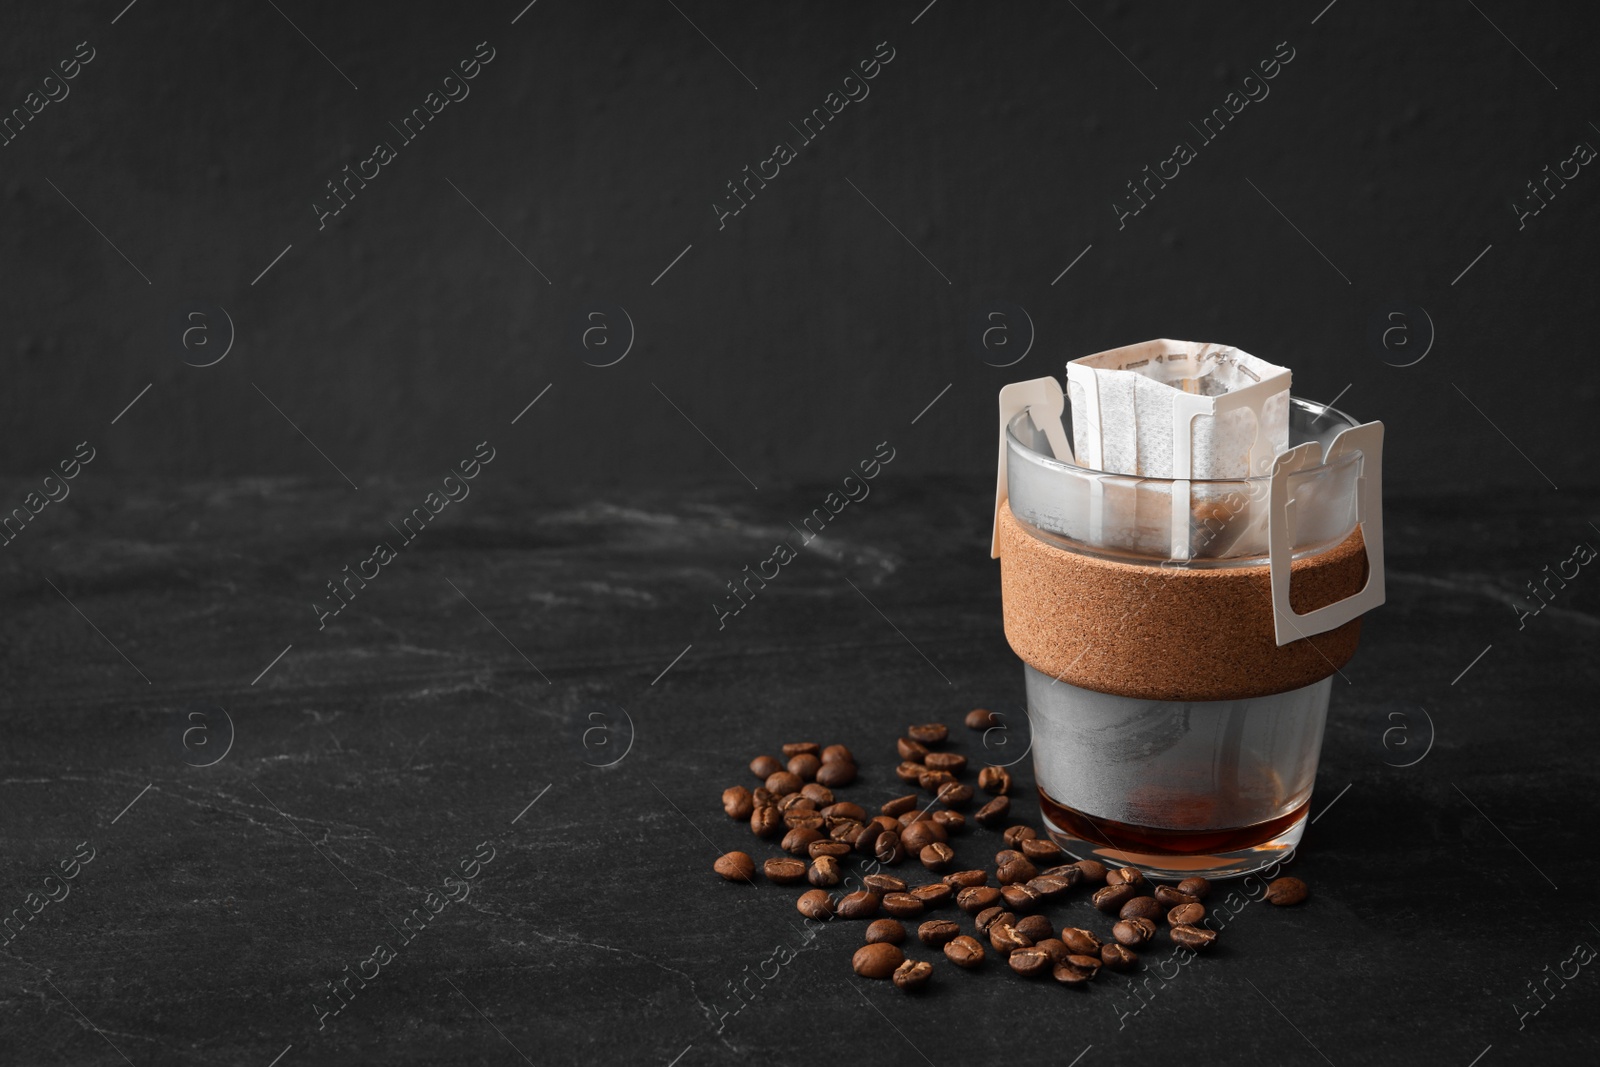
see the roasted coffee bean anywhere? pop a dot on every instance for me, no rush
(796, 802)
(936, 933)
(858, 905)
(803, 820)
(1040, 849)
(966, 879)
(903, 905)
(933, 893)
(1172, 898)
(981, 719)
(1005, 856)
(1049, 886)
(911, 751)
(845, 810)
(955, 794)
(796, 748)
(1077, 970)
(887, 823)
(932, 733)
(820, 795)
(837, 754)
(837, 774)
(815, 904)
(1017, 870)
(766, 822)
(846, 832)
(883, 883)
(910, 817)
(762, 797)
(1111, 898)
(989, 918)
(1035, 928)
(1019, 897)
(953, 821)
(1118, 958)
(964, 951)
(735, 866)
(1053, 948)
(919, 835)
(937, 856)
(805, 766)
(900, 805)
(1133, 932)
(1286, 891)
(996, 780)
(877, 961)
(887, 931)
(764, 767)
(1142, 908)
(1080, 941)
(797, 842)
(1015, 835)
(933, 781)
(976, 898)
(954, 762)
(824, 872)
(1191, 937)
(834, 849)
(736, 802)
(1093, 870)
(912, 975)
(866, 842)
(909, 771)
(784, 870)
(1195, 886)
(783, 783)
(888, 848)
(1126, 876)
(1029, 962)
(994, 813)
(1186, 914)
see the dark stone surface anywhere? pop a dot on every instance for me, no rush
(380, 752)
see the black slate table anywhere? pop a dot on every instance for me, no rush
(502, 762)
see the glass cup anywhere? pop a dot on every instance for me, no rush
(1176, 788)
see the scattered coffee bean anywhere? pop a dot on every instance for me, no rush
(909, 771)
(1017, 870)
(885, 931)
(824, 872)
(933, 893)
(913, 974)
(932, 733)
(955, 794)
(735, 866)
(1173, 897)
(801, 819)
(910, 817)
(1142, 908)
(1195, 886)
(1093, 870)
(837, 774)
(996, 780)
(820, 795)
(919, 835)
(837, 754)
(1051, 886)
(805, 766)
(994, 813)
(911, 751)
(1019, 897)
(937, 856)
(1040, 849)
(933, 781)
(1126, 876)
(936, 933)
(866, 841)
(827, 848)
(1286, 891)
(990, 917)
(1133, 932)
(762, 797)
(887, 823)
(976, 898)
(796, 802)
(1035, 928)
(797, 842)
(953, 821)
(877, 961)
(858, 905)
(1080, 941)
(1030, 962)
(845, 810)
(764, 767)
(963, 951)
(900, 805)
(783, 783)
(1015, 835)
(1053, 948)
(954, 762)
(883, 883)
(1111, 898)
(966, 879)
(1005, 856)
(1186, 914)
(766, 821)
(815, 904)
(981, 719)
(1118, 957)
(736, 802)
(887, 848)
(784, 870)
(846, 832)
(1191, 937)
(903, 905)
(1077, 970)
(797, 748)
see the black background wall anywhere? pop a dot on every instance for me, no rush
(1384, 161)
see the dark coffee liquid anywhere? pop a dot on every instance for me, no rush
(1151, 840)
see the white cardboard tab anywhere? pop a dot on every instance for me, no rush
(1041, 395)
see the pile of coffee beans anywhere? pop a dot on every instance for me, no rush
(795, 807)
